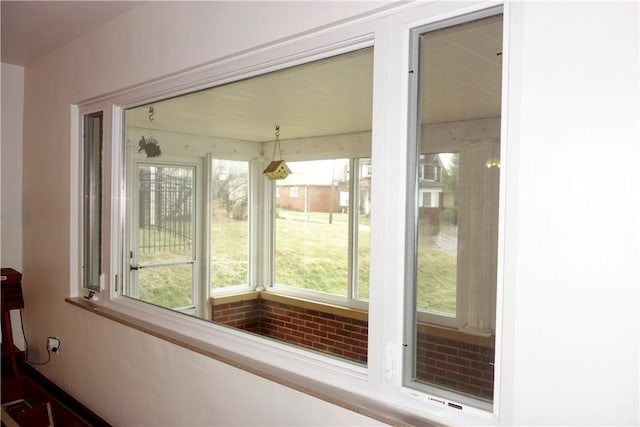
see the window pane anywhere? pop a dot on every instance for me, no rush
(167, 286)
(323, 109)
(162, 251)
(312, 228)
(457, 159)
(229, 222)
(92, 201)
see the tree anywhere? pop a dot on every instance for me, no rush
(229, 188)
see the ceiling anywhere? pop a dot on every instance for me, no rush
(32, 28)
(461, 78)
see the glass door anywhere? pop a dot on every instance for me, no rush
(162, 247)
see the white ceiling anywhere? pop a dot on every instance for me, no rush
(32, 28)
(461, 78)
(327, 97)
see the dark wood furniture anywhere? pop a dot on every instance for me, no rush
(11, 286)
(28, 398)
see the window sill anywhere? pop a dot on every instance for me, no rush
(360, 404)
(305, 303)
(459, 335)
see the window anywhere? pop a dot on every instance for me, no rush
(192, 226)
(229, 228)
(452, 282)
(325, 208)
(92, 202)
(204, 224)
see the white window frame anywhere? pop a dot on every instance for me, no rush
(381, 380)
(465, 317)
(92, 236)
(465, 291)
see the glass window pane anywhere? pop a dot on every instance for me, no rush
(312, 228)
(321, 236)
(162, 252)
(92, 201)
(457, 164)
(167, 286)
(229, 222)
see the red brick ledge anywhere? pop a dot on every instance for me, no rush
(308, 304)
(351, 313)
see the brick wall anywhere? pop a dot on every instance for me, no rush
(459, 365)
(325, 332)
(456, 365)
(243, 315)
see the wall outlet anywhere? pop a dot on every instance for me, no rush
(53, 344)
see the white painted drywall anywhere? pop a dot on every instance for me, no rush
(12, 110)
(576, 280)
(12, 77)
(570, 349)
(130, 378)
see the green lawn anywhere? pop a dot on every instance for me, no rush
(311, 255)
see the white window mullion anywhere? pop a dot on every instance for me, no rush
(352, 293)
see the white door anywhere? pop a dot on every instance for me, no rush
(162, 223)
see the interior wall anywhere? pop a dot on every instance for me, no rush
(128, 377)
(12, 77)
(12, 111)
(575, 259)
(569, 350)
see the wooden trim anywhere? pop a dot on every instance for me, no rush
(308, 304)
(459, 336)
(337, 310)
(231, 298)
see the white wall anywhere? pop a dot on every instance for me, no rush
(12, 77)
(12, 111)
(576, 257)
(126, 376)
(570, 352)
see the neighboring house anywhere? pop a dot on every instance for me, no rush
(299, 193)
(305, 193)
(430, 187)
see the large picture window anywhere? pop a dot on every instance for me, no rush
(194, 239)
(208, 234)
(453, 240)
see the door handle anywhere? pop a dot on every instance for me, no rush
(135, 267)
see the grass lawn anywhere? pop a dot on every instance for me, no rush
(311, 255)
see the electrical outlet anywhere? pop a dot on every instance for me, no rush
(53, 344)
